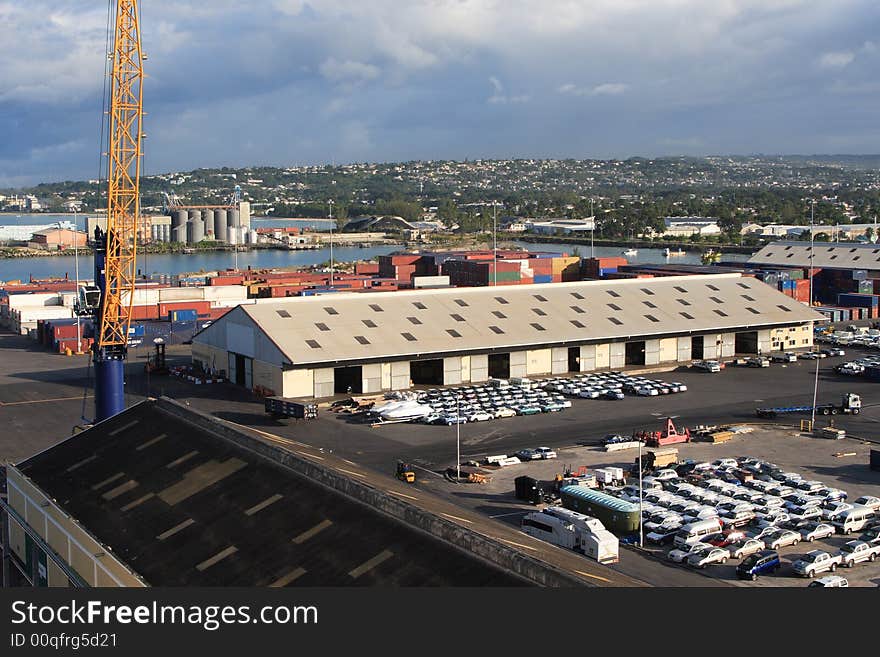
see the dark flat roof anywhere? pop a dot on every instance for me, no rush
(183, 506)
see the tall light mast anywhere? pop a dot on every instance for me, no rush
(116, 249)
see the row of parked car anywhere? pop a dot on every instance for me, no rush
(737, 508)
(857, 367)
(480, 403)
(867, 340)
(611, 385)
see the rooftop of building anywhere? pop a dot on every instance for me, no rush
(351, 327)
(830, 255)
(183, 505)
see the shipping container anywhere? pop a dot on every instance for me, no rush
(616, 514)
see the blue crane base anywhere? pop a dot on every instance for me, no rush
(109, 388)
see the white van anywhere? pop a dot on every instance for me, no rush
(696, 531)
(853, 520)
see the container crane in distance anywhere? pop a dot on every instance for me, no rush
(116, 248)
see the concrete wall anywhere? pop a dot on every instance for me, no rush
(588, 358)
(711, 350)
(73, 543)
(299, 383)
(539, 361)
(210, 357)
(452, 371)
(668, 350)
(603, 356)
(465, 368)
(652, 352)
(324, 382)
(728, 345)
(400, 376)
(519, 364)
(684, 349)
(765, 341)
(559, 364)
(371, 378)
(453, 534)
(479, 368)
(618, 355)
(269, 377)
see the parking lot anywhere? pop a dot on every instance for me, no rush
(836, 464)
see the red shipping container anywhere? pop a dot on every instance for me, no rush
(145, 312)
(201, 307)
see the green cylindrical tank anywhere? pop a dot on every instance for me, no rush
(617, 515)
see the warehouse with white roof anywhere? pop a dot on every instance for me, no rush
(316, 347)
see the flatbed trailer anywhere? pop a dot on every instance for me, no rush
(851, 403)
(279, 407)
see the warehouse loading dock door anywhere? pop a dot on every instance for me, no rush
(574, 359)
(426, 372)
(348, 380)
(499, 366)
(747, 342)
(241, 370)
(697, 347)
(635, 353)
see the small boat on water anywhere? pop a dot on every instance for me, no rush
(711, 257)
(631, 252)
(669, 253)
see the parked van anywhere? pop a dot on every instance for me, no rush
(854, 520)
(696, 531)
(765, 561)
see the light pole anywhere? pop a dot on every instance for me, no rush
(812, 250)
(76, 269)
(495, 241)
(331, 242)
(458, 439)
(592, 228)
(641, 520)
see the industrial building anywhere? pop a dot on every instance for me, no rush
(231, 225)
(161, 495)
(55, 239)
(831, 255)
(368, 343)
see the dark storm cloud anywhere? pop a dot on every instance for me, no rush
(290, 81)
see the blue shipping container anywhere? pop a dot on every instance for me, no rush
(544, 278)
(858, 300)
(183, 315)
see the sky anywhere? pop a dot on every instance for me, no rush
(292, 82)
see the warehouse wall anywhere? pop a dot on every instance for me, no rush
(668, 350)
(298, 383)
(603, 356)
(324, 382)
(212, 358)
(539, 361)
(400, 376)
(728, 345)
(452, 371)
(559, 364)
(617, 355)
(372, 378)
(268, 376)
(652, 352)
(765, 341)
(465, 368)
(588, 358)
(519, 364)
(479, 368)
(386, 376)
(65, 536)
(684, 349)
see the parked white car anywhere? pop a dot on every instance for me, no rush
(829, 511)
(829, 582)
(545, 453)
(815, 562)
(869, 501)
(854, 552)
(678, 555)
(782, 538)
(748, 547)
(816, 530)
(708, 556)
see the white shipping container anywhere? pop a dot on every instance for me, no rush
(170, 294)
(225, 293)
(26, 315)
(146, 296)
(431, 281)
(35, 300)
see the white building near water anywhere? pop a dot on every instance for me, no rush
(316, 347)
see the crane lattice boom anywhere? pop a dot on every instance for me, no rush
(124, 164)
